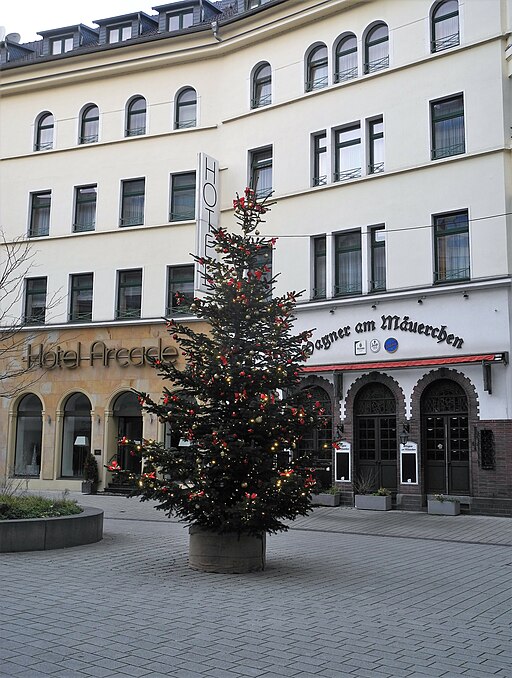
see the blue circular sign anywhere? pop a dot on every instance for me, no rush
(391, 345)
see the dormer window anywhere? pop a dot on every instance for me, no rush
(62, 44)
(177, 21)
(119, 33)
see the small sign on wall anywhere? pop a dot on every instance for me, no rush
(409, 464)
(342, 462)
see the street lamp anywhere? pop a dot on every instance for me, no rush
(404, 436)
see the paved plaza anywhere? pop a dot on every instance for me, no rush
(345, 593)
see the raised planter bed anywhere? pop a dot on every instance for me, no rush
(326, 499)
(372, 502)
(41, 534)
(448, 507)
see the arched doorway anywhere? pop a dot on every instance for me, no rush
(76, 435)
(128, 417)
(445, 438)
(29, 434)
(375, 437)
(316, 443)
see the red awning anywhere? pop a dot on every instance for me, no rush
(400, 364)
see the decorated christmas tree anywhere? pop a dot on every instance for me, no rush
(236, 411)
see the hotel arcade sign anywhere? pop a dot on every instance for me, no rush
(97, 354)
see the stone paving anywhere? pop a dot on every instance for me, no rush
(346, 593)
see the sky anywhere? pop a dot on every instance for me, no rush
(26, 17)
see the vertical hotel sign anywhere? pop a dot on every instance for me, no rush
(208, 211)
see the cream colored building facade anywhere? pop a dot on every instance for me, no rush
(383, 129)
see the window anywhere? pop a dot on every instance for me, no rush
(180, 289)
(447, 127)
(345, 67)
(252, 4)
(183, 196)
(44, 132)
(445, 26)
(261, 86)
(316, 69)
(85, 208)
(29, 435)
(376, 49)
(76, 435)
(35, 301)
(119, 33)
(177, 21)
(319, 159)
(263, 262)
(80, 305)
(129, 294)
(261, 172)
(348, 263)
(376, 145)
(186, 109)
(40, 214)
(347, 147)
(61, 45)
(132, 202)
(319, 267)
(89, 125)
(451, 238)
(136, 117)
(378, 259)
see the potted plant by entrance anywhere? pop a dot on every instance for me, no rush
(91, 476)
(380, 500)
(439, 505)
(236, 400)
(365, 495)
(327, 497)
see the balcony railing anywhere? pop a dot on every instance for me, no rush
(447, 42)
(86, 226)
(317, 83)
(347, 74)
(377, 168)
(447, 151)
(135, 131)
(90, 139)
(347, 288)
(376, 64)
(320, 181)
(452, 275)
(353, 173)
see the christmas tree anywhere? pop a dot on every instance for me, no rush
(237, 403)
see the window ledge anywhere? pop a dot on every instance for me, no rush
(101, 144)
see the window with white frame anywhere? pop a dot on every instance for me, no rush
(347, 152)
(129, 294)
(444, 26)
(376, 48)
(347, 263)
(447, 119)
(345, 58)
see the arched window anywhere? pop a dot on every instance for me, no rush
(76, 435)
(186, 109)
(136, 117)
(29, 433)
(89, 125)
(317, 68)
(444, 26)
(261, 86)
(316, 443)
(44, 132)
(376, 48)
(345, 59)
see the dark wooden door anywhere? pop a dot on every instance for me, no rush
(376, 437)
(445, 438)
